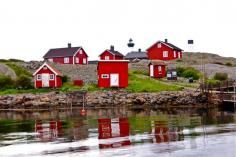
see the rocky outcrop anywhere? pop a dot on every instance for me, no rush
(7, 71)
(103, 99)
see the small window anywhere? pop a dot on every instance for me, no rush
(105, 76)
(159, 45)
(165, 53)
(39, 77)
(50, 60)
(84, 61)
(77, 60)
(174, 54)
(159, 68)
(51, 77)
(66, 60)
(81, 52)
(45, 68)
(107, 58)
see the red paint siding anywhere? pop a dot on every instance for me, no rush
(52, 83)
(155, 53)
(111, 56)
(81, 57)
(157, 73)
(61, 60)
(120, 68)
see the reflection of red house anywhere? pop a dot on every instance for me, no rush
(47, 76)
(112, 128)
(163, 50)
(111, 55)
(48, 131)
(113, 73)
(157, 69)
(68, 55)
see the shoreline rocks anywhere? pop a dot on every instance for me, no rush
(104, 99)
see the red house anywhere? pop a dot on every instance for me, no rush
(163, 50)
(157, 69)
(113, 73)
(68, 55)
(47, 76)
(111, 54)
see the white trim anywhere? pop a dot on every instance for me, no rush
(55, 80)
(105, 51)
(75, 55)
(45, 64)
(37, 77)
(50, 77)
(165, 54)
(159, 42)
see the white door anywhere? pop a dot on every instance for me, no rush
(114, 80)
(151, 71)
(45, 80)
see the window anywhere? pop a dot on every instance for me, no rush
(39, 77)
(159, 69)
(107, 58)
(66, 60)
(77, 60)
(81, 52)
(84, 61)
(174, 54)
(51, 77)
(50, 60)
(159, 45)
(45, 68)
(165, 53)
(105, 76)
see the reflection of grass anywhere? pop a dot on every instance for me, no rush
(16, 126)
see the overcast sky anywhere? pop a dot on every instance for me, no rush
(28, 28)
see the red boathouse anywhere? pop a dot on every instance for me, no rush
(163, 50)
(157, 69)
(47, 76)
(113, 73)
(68, 55)
(111, 54)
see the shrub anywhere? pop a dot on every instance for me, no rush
(65, 79)
(24, 82)
(180, 71)
(221, 76)
(229, 64)
(191, 73)
(6, 82)
(212, 82)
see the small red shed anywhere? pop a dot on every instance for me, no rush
(47, 77)
(113, 73)
(157, 69)
(111, 54)
(163, 50)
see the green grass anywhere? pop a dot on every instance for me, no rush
(18, 70)
(139, 83)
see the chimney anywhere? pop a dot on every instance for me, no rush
(166, 40)
(69, 45)
(139, 50)
(112, 48)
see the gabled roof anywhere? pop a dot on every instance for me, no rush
(167, 44)
(116, 53)
(157, 62)
(54, 70)
(136, 54)
(62, 52)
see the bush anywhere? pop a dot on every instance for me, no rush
(229, 64)
(65, 79)
(191, 73)
(212, 82)
(221, 76)
(6, 82)
(24, 82)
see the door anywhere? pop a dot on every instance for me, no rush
(114, 80)
(179, 55)
(45, 80)
(84, 61)
(151, 71)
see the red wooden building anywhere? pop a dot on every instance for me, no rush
(113, 73)
(157, 69)
(111, 55)
(163, 50)
(47, 76)
(68, 55)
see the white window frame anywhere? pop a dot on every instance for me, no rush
(105, 76)
(84, 61)
(159, 68)
(158, 45)
(66, 60)
(107, 57)
(77, 60)
(80, 52)
(39, 77)
(165, 54)
(175, 54)
(53, 77)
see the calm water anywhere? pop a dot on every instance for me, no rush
(119, 132)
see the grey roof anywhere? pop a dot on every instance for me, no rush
(61, 52)
(117, 53)
(136, 54)
(173, 46)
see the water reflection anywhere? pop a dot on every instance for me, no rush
(63, 132)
